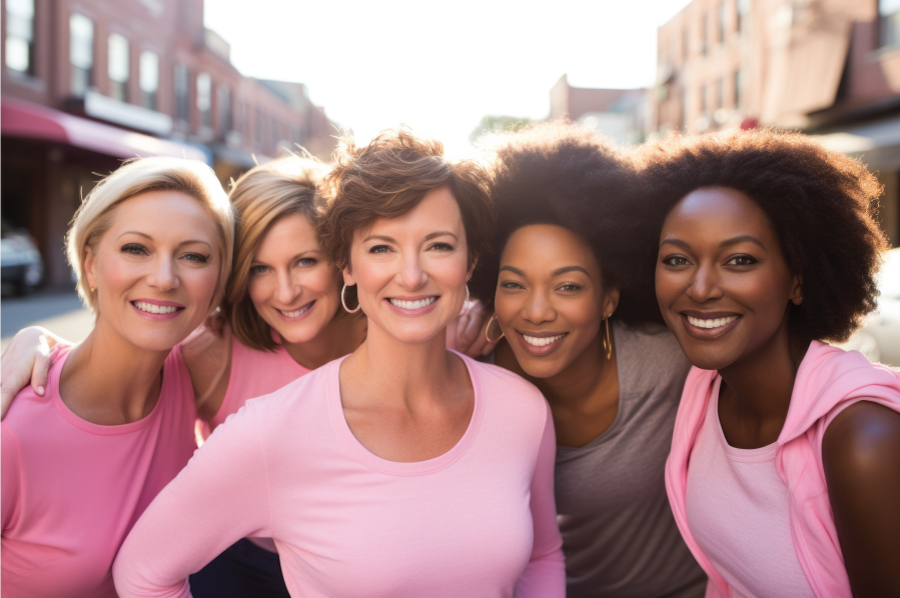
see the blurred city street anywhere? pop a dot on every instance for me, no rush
(60, 312)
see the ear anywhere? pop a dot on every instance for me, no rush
(89, 272)
(471, 269)
(796, 296)
(610, 300)
(348, 276)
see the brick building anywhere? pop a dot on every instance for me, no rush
(826, 67)
(617, 113)
(87, 83)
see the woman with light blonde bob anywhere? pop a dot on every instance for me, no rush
(80, 462)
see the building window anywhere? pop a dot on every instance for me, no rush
(149, 79)
(204, 99)
(117, 67)
(721, 22)
(182, 93)
(704, 27)
(738, 88)
(686, 43)
(889, 15)
(225, 122)
(743, 9)
(20, 36)
(81, 53)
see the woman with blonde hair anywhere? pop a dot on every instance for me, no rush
(403, 469)
(80, 462)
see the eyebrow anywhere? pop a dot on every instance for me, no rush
(513, 270)
(565, 269)
(727, 242)
(428, 237)
(256, 262)
(149, 238)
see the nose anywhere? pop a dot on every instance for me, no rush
(287, 291)
(411, 275)
(705, 285)
(164, 276)
(538, 308)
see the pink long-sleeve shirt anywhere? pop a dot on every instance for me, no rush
(828, 381)
(72, 490)
(478, 521)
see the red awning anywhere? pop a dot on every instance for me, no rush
(23, 119)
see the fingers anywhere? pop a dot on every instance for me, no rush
(41, 369)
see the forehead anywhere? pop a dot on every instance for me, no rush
(719, 210)
(164, 214)
(438, 210)
(547, 246)
(293, 234)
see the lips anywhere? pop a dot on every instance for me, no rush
(296, 314)
(708, 326)
(155, 309)
(413, 306)
(540, 344)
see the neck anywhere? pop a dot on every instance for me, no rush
(341, 336)
(108, 380)
(761, 383)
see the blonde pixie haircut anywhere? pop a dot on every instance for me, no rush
(142, 175)
(262, 196)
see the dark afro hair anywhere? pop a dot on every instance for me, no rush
(821, 204)
(562, 174)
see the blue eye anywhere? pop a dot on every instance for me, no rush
(258, 269)
(379, 249)
(307, 261)
(196, 257)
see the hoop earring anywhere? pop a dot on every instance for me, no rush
(607, 340)
(488, 327)
(344, 301)
(465, 307)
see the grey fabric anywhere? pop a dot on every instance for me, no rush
(619, 535)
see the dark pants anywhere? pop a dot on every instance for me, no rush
(244, 570)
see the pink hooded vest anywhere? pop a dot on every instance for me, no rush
(828, 380)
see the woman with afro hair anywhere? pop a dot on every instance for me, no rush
(570, 282)
(784, 475)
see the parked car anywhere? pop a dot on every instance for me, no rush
(20, 261)
(879, 338)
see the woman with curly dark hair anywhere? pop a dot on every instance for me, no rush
(570, 282)
(784, 475)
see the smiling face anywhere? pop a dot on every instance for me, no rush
(411, 271)
(550, 299)
(155, 269)
(722, 280)
(293, 286)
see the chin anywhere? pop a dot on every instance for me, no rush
(708, 358)
(156, 342)
(539, 367)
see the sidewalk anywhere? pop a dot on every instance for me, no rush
(60, 312)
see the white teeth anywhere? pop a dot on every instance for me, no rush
(296, 313)
(154, 308)
(413, 304)
(712, 323)
(541, 342)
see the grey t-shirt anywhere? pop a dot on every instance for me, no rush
(619, 535)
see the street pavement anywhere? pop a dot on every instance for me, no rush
(61, 313)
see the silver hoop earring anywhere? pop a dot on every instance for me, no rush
(344, 302)
(465, 307)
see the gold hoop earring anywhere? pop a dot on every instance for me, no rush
(344, 302)
(607, 339)
(488, 327)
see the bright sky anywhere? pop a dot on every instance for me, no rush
(440, 66)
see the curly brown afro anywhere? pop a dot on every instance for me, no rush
(559, 173)
(821, 204)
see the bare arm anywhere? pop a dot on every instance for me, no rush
(861, 455)
(26, 360)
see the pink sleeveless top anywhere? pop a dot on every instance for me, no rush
(738, 511)
(72, 489)
(254, 373)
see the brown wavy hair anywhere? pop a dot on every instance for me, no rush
(821, 203)
(261, 197)
(388, 177)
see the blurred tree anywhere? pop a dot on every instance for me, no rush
(497, 123)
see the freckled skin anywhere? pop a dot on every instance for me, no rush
(719, 254)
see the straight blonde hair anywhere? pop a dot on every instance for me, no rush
(142, 175)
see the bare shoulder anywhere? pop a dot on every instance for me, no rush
(861, 441)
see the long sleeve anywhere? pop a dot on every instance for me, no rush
(545, 575)
(220, 497)
(9, 470)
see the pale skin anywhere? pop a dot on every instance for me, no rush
(720, 257)
(160, 247)
(405, 397)
(550, 284)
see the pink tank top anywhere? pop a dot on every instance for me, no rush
(254, 373)
(72, 489)
(738, 512)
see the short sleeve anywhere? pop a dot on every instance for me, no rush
(10, 472)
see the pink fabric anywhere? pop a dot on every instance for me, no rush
(478, 521)
(828, 380)
(254, 373)
(72, 490)
(737, 510)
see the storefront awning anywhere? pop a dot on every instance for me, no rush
(23, 119)
(876, 142)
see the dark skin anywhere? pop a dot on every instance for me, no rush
(550, 285)
(724, 287)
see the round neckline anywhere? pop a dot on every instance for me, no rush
(400, 468)
(100, 429)
(757, 455)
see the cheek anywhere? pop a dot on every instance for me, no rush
(258, 290)
(201, 284)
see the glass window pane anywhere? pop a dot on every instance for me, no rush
(17, 54)
(118, 58)
(149, 76)
(20, 8)
(81, 41)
